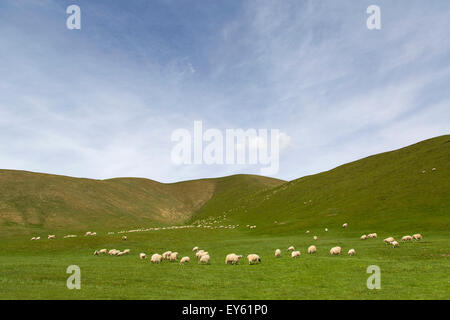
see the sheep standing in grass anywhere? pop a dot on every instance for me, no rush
(389, 240)
(173, 256)
(51, 236)
(417, 236)
(295, 254)
(166, 255)
(156, 258)
(307, 231)
(335, 251)
(291, 248)
(38, 238)
(124, 238)
(204, 259)
(372, 235)
(103, 251)
(315, 237)
(142, 256)
(407, 238)
(96, 253)
(312, 249)
(394, 244)
(253, 258)
(351, 252)
(232, 258)
(126, 251)
(363, 237)
(345, 225)
(184, 260)
(195, 249)
(277, 253)
(326, 229)
(199, 253)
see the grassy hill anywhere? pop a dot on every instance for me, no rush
(393, 190)
(34, 201)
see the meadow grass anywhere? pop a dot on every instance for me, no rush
(37, 269)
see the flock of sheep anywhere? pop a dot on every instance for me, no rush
(203, 256)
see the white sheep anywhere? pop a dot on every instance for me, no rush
(173, 256)
(96, 253)
(335, 251)
(389, 240)
(253, 258)
(277, 253)
(195, 249)
(199, 253)
(417, 236)
(38, 238)
(312, 249)
(142, 256)
(126, 251)
(326, 229)
(307, 231)
(103, 251)
(204, 259)
(345, 225)
(291, 248)
(124, 238)
(394, 244)
(34, 238)
(295, 254)
(351, 252)
(407, 238)
(51, 236)
(315, 237)
(232, 258)
(166, 255)
(156, 258)
(184, 260)
(363, 237)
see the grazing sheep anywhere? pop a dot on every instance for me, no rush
(335, 251)
(351, 252)
(184, 260)
(307, 231)
(345, 225)
(394, 244)
(389, 240)
(363, 237)
(199, 253)
(277, 253)
(142, 256)
(326, 229)
(93, 233)
(232, 258)
(111, 252)
(253, 258)
(315, 237)
(38, 238)
(166, 255)
(88, 233)
(124, 238)
(156, 258)
(103, 251)
(96, 253)
(372, 235)
(434, 169)
(204, 259)
(195, 249)
(417, 236)
(51, 236)
(291, 248)
(407, 238)
(120, 253)
(295, 254)
(34, 238)
(126, 251)
(173, 256)
(312, 249)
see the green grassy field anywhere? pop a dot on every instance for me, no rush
(387, 193)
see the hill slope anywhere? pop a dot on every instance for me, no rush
(42, 201)
(386, 190)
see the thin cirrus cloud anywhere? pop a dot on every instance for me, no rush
(103, 101)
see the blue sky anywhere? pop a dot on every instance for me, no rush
(102, 101)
